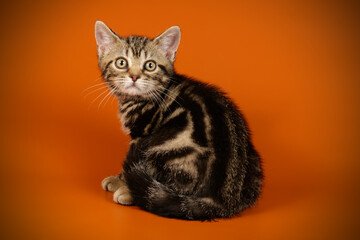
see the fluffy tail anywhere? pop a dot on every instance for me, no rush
(159, 199)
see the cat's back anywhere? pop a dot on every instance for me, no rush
(217, 119)
(218, 123)
(215, 104)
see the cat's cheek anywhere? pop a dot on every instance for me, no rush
(165, 80)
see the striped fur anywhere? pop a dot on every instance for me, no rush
(191, 155)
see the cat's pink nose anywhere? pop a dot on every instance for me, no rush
(134, 77)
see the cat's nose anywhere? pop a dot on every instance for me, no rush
(134, 77)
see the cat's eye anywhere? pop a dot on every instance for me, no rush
(150, 65)
(121, 63)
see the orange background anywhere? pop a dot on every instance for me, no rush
(291, 66)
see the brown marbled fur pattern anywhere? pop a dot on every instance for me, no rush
(191, 155)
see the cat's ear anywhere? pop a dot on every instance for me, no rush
(168, 42)
(105, 38)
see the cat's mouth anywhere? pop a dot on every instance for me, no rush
(133, 90)
(139, 88)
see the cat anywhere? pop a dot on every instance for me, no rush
(190, 156)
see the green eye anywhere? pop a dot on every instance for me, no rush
(121, 63)
(150, 65)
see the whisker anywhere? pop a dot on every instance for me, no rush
(98, 89)
(173, 80)
(86, 89)
(98, 97)
(109, 94)
(113, 91)
(170, 96)
(163, 102)
(152, 102)
(112, 100)
(98, 79)
(158, 96)
(155, 98)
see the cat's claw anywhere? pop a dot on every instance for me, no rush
(111, 183)
(122, 196)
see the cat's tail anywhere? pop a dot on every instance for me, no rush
(155, 197)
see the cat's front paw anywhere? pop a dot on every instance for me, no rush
(111, 183)
(122, 196)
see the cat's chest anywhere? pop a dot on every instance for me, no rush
(123, 119)
(129, 118)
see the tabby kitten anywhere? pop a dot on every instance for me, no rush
(190, 156)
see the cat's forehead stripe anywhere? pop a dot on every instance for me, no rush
(137, 44)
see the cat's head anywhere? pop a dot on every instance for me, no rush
(136, 66)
